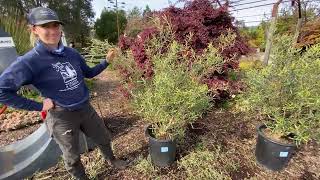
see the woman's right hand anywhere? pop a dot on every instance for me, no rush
(112, 53)
(47, 104)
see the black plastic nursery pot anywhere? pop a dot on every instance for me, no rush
(271, 154)
(162, 152)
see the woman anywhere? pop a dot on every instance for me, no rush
(58, 73)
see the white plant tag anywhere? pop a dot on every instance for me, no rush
(164, 149)
(284, 154)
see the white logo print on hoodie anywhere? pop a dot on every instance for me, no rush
(68, 74)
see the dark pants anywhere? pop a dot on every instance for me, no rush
(65, 125)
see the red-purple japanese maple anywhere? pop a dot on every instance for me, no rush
(206, 23)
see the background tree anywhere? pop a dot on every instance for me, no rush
(77, 14)
(136, 22)
(106, 25)
(147, 11)
(134, 13)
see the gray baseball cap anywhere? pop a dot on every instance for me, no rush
(42, 15)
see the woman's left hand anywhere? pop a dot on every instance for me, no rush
(47, 104)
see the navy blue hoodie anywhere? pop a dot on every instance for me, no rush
(58, 75)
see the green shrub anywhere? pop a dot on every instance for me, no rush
(246, 65)
(30, 93)
(145, 167)
(97, 50)
(89, 83)
(203, 163)
(175, 91)
(287, 91)
(173, 98)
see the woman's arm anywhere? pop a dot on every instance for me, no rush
(89, 72)
(92, 72)
(15, 76)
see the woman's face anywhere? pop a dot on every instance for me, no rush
(49, 33)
